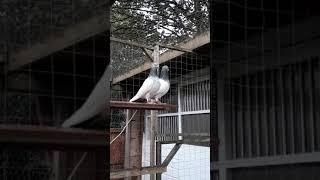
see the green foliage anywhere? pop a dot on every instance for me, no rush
(177, 20)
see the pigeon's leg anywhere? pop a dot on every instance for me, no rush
(158, 101)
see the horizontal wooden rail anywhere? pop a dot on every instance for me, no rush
(136, 105)
(52, 137)
(137, 171)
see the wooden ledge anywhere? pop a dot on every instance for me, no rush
(29, 136)
(137, 171)
(138, 105)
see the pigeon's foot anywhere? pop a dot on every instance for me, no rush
(158, 101)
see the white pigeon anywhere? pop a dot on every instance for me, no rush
(150, 86)
(164, 83)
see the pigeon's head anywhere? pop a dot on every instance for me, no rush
(154, 71)
(164, 73)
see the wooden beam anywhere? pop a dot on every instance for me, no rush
(149, 55)
(270, 160)
(175, 48)
(51, 137)
(168, 55)
(71, 35)
(137, 171)
(170, 156)
(131, 43)
(135, 105)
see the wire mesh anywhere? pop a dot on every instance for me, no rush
(45, 89)
(266, 84)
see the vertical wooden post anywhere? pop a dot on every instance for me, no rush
(153, 118)
(127, 144)
(158, 158)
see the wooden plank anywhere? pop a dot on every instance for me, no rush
(177, 48)
(137, 171)
(198, 41)
(149, 55)
(51, 137)
(184, 134)
(131, 43)
(71, 35)
(136, 105)
(270, 160)
(170, 156)
(158, 159)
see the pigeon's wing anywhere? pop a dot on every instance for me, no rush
(164, 88)
(144, 89)
(155, 88)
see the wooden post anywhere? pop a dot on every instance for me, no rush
(153, 119)
(158, 158)
(127, 144)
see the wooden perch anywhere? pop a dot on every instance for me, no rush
(136, 105)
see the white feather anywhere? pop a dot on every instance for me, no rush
(164, 88)
(147, 89)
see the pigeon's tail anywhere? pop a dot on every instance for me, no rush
(134, 99)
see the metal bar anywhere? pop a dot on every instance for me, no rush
(257, 124)
(248, 118)
(316, 80)
(310, 88)
(265, 115)
(233, 118)
(179, 113)
(170, 156)
(282, 112)
(302, 106)
(272, 118)
(240, 119)
(291, 110)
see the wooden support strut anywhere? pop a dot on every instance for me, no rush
(146, 170)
